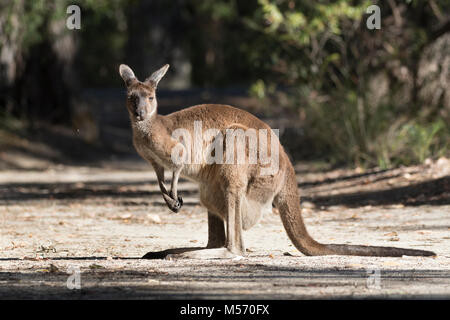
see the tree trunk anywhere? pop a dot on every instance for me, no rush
(37, 82)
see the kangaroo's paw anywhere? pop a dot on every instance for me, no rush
(217, 253)
(175, 206)
(172, 204)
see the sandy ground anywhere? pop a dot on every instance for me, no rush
(90, 224)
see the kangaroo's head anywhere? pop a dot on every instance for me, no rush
(141, 96)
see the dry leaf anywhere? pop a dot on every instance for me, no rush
(79, 185)
(354, 217)
(53, 268)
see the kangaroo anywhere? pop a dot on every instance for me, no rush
(235, 195)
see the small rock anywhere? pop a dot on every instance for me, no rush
(154, 218)
(408, 176)
(152, 281)
(308, 205)
(125, 216)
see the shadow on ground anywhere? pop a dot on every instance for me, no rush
(433, 192)
(250, 281)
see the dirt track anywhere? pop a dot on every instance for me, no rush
(102, 220)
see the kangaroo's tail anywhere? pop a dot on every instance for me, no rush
(288, 204)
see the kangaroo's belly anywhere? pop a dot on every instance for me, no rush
(252, 212)
(213, 198)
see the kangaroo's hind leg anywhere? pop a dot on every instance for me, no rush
(216, 231)
(234, 244)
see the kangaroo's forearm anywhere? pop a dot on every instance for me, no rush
(174, 185)
(159, 170)
(171, 198)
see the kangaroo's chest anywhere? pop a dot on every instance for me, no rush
(149, 151)
(146, 149)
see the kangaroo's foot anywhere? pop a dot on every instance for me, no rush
(216, 253)
(163, 254)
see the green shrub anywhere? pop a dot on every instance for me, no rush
(347, 131)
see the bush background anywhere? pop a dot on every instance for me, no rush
(358, 96)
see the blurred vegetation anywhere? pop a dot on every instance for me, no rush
(363, 97)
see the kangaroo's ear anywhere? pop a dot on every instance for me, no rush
(127, 74)
(157, 75)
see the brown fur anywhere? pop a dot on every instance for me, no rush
(234, 195)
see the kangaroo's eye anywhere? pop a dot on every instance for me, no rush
(151, 98)
(133, 99)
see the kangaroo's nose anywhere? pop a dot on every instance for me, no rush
(140, 114)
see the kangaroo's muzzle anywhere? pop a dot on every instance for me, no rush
(141, 112)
